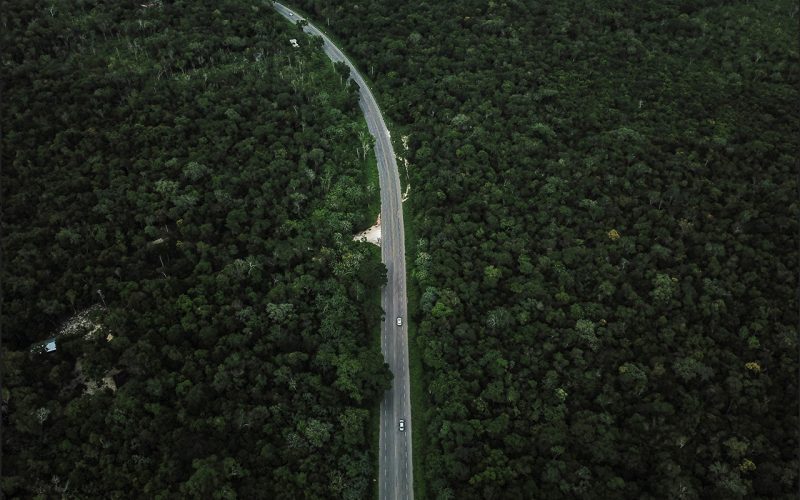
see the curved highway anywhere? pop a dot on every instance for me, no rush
(395, 474)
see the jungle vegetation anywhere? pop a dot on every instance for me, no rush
(182, 178)
(605, 202)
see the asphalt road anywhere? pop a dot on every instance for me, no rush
(395, 474)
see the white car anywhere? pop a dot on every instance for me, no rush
(399, 321)
(402, 425)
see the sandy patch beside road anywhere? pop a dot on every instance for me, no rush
(371, 235)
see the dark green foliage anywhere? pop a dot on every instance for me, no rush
(182, 165)
(606, 199)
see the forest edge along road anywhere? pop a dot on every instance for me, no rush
(395, 473)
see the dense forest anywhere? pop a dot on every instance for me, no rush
(605, 209)
(180, 187)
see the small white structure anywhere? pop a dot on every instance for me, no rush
(48, 345)
(294, 43)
